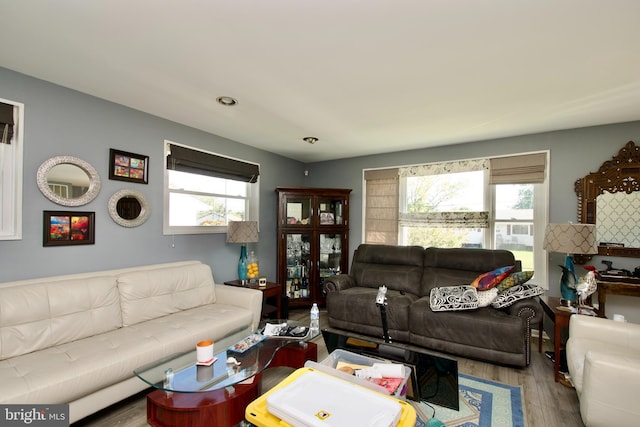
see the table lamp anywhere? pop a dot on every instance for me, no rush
(242, 232)
(570, 239)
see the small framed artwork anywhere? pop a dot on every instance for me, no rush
(326, 218)
(125, 166)
(63, 228)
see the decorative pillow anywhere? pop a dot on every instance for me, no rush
(453, 298)
(516, 293)
(492, 278)
(487, 297)
(517, 278)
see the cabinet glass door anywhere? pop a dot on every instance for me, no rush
(331, 210)
(298, 265)
(330, 256)
(298, 210)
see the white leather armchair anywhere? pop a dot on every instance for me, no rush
(603, 357)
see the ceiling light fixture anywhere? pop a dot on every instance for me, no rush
(310, 139)
(227, 101)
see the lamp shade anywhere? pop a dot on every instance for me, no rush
(242, 231)
(571, 238)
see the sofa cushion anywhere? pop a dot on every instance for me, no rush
(492, 278)
(454, 266)
(485, 298)
(483, 328)
(516, 293)
(397, 267)
(357, 306)
(37, 316)
(453, 298)
(70, 371)
(146, 295)
(517, 278)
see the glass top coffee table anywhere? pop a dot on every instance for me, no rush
(191, 394)
(181, 372)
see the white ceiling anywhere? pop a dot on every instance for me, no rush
(364, 76)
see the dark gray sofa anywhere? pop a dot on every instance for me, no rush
(499, 336)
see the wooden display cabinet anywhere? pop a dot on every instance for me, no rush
(313, 241)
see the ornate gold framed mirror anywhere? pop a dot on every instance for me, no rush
(609, 198)
(68, 181)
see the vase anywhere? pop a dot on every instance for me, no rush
(242, 264)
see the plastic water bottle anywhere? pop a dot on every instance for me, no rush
(314, 326)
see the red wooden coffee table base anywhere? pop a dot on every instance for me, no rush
(224, 407)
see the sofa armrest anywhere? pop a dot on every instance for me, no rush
(529, 309)
(605, 330)
(609, 391)
(338, 283)
(248, 298)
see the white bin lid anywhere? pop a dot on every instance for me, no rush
(319, 400)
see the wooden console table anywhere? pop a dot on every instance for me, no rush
(627, 286)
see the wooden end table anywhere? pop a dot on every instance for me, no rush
(560, 319)
(270, 290)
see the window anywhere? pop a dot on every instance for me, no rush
(445, 206)
(11, 149)
(204, 191)
(485, 203)
(514, 221)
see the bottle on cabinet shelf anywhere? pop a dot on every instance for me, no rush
(296, 288)
(304, 291)
(314, 317)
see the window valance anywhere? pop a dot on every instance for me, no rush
(445, 167)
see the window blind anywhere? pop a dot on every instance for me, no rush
(523, 169)
(381, 209)
(193, 161)
(6, 123)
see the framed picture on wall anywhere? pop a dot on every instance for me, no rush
(63, 228)
(130, 167)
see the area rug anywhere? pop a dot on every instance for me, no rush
(483, 403)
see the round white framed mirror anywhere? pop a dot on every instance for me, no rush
(129, 208)
(68, 181)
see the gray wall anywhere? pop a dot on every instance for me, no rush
(59, 121)
(574, 153)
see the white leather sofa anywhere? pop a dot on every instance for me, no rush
(76, 339)
(603, 358)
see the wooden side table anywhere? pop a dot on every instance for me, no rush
(626, 286)
(560, 318)
(270, 290)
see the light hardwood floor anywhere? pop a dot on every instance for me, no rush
(545, 402)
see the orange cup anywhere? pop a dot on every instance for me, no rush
(204, 352)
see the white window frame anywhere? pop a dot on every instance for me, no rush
(540, 219)
(11, 167)
(253, 199)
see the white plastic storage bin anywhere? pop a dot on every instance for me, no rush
(344, 356)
